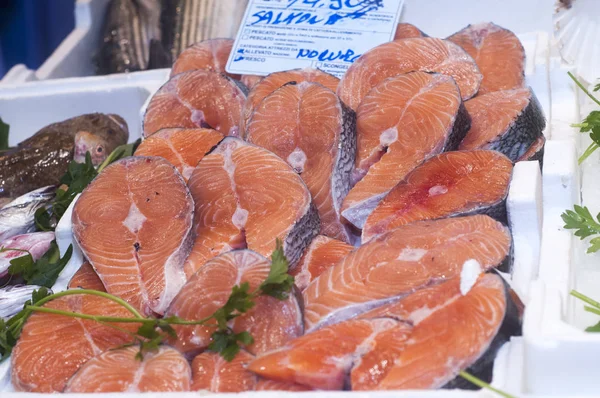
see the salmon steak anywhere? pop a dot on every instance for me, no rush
(322, 253)
(535, 151)
(86, 278)
(247, 197)
(397, 57)
(250, 80)
(402, 261)
(211, 54)
(163, 370)
(508, 121)
(407, 31)
(134, 224)
(274, 385)
(401, 122)
(275, 80)
(271, 322)
(498, 52)
(447, 185)
(324, 359)
(53, 347)
(307, 125)
(183, 148)
(210, 372)
(453, 330)
(199, 98)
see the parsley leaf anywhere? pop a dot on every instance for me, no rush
(120, 152)
(585, 225)
(44, 271)
(4, 128)
(591, 124)
(239, 302)
(278, 283)
(225, 342)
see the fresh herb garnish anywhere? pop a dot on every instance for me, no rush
(42, 272)
(4, 128)
(593, 307)
(482, 384)
(582, 220)
(153, 331)
(120, 152)
(591, 124)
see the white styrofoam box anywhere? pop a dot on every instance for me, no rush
(30, 106)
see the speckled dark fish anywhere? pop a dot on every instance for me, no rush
(43, 159)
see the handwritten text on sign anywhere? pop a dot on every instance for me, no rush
(279, 35)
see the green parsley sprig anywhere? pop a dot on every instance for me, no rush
(593, 307)
(591, 124)
(583, 222)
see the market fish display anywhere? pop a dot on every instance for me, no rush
(447, 185)
(509, 121)
(193, 99)
(401, 261)
(499, 55)
(183, 148)
(275, 80)
(408, 55)
(163, 370)
(134, 224)
(322, 253)
(401, 122)
(323, 359)
(307, 125)
(36, 243)
(86, 278)
(407, 31)
(43, 158)
(17, 216)
(247, 197)
(208, 54)
(272, 322)
(53, 347)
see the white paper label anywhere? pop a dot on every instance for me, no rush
(278, 35)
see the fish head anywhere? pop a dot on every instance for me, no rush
(100, 140)
(88, 142)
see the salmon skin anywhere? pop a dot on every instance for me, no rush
(325, 358)
(307, 125)
(121, 221)
(322, 253)
(183, 148)
(535, 152)
(407, 31)
(210, 372)
(483, 318)
(247, 197)
(498, 52)
(424, 54)
(509, 122)
(163, 370)
(86, 278)
(447, 185)
(271, 322)
(401, 122)
(208, 54)
(52, 347)
(275, 80)
(198, 98)
(401, 261)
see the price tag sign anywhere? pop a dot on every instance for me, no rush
(278, 35)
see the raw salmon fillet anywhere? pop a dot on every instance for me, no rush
(199, 98)
(273, 385)
(407, 31)
(307, 125)
(324, 359)
(271, 322)
(401, 261)
(163, 370)
(453, 330)
(508, 121)
(86, 278)
(407, 55)
(322, 253)
(52, 347)
(447, 185)
(210, 372)
(247, 196)
(183, 148)
(250, 80)
(209, 54)
(401, 122)
(275, 80)
(134, 224)
(499, 55)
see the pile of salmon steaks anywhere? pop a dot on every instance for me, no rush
(387, 189)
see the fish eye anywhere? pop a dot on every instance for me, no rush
(99, 149)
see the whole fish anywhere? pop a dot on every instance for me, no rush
(17, 217)
(185, 22)
(13, 298)
(37, 244)
(43, 158)
(129, 27)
